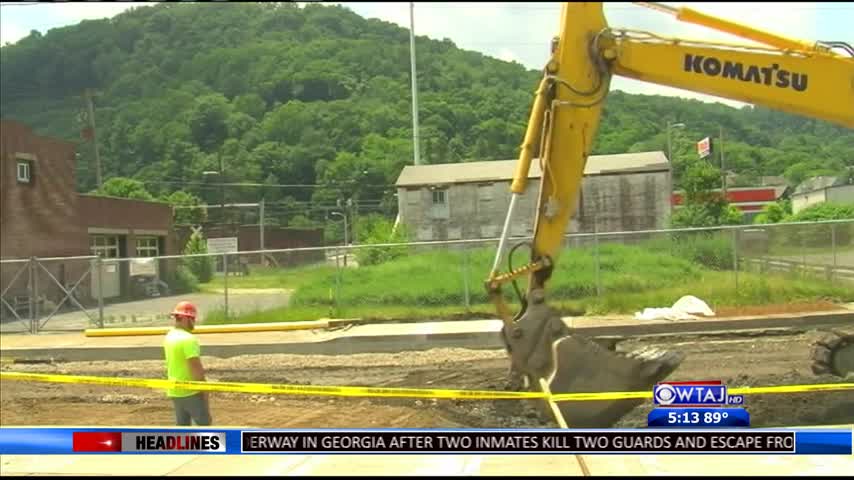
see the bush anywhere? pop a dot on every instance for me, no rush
(378, 230)
(201, 267)
(820, 235)
(771, 213)
(704, 248)
(184, 281)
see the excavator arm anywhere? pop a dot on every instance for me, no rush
(787, 75)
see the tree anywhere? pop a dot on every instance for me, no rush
(373, 230)
(182, 86)
(702, 205)
(186, 216)
(121, 187)
(201, 267)
(771, 213)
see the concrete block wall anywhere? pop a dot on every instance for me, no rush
(637, 201)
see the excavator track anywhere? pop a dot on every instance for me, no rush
(833, 354)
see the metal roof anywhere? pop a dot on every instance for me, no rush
(819, 183)
(501, 170)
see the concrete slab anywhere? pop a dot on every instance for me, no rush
(723, 465)
(91, 464)
(427, 465)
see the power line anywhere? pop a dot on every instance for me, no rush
(333, 186)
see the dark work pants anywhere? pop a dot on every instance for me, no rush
(192, 408)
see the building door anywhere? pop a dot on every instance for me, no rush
(108, 283)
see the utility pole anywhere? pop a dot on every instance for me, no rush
(414, 84)
(221, 187)
(261, 232)
(669, 141)
(261, 222)
(346, 240)
(88, 94)
(723, 164)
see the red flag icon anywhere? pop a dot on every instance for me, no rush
(97, 441)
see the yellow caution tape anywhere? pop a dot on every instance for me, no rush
(340, 391)
(272, 388)
(824, 387)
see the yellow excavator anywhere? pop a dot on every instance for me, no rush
(810, 79)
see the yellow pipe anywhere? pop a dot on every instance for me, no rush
(535, 124)
(693, 16)
(203, 329)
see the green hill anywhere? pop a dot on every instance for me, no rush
(320, 95)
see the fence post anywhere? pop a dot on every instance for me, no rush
(225, 281)
(735, 255)
(466, 276)
(596, 259)
(803, 255)
(100, 266)
(31, 292)
(338, 281)
(833, 248)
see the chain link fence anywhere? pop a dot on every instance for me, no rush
(598, 273)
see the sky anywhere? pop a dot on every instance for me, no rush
(515, 31)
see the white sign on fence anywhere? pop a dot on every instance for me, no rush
(222, 245)
(143, 266)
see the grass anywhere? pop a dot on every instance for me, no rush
(266, 277)
(431, 285)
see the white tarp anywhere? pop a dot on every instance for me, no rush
(686, 308)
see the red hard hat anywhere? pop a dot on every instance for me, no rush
(185, 309)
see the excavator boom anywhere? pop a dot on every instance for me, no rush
(789, 75)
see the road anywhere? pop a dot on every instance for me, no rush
(153, 312)
(843, 258)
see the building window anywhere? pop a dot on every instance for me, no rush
(147, 247)
(413, 197)
(484, 192)
(438, 197)
(24, 171)
(104, 246)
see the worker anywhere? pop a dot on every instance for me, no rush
(184, 363)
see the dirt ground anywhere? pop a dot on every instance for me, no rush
(739, 359)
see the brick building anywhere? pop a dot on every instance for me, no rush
(750, 200)
(42, 215)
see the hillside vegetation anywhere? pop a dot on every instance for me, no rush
(320, 95)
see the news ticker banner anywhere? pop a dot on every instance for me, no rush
(64, 441)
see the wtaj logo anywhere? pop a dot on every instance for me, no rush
(694, 393)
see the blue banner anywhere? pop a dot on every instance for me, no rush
(698, 418)
(195, 441)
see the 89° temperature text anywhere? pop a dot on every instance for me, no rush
(698, 417)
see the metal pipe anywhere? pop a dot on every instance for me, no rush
(689, 15)
(504, 233)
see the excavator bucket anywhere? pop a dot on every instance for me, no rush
(542, 346)
(584, 366)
